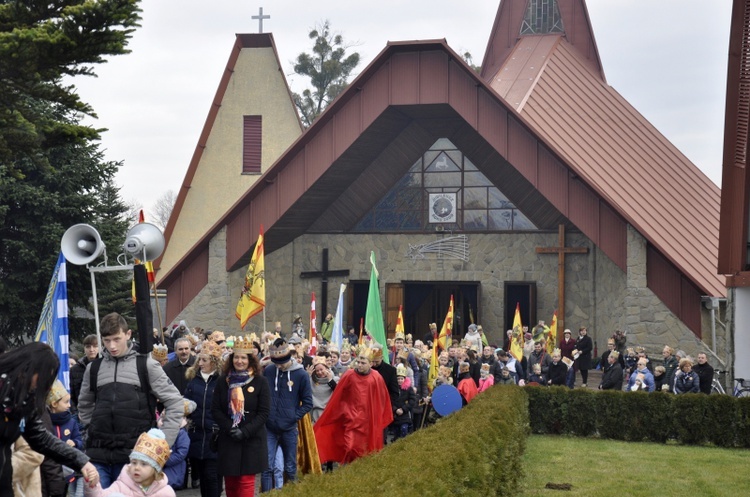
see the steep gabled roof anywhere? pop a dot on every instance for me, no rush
(252, 84)
(509, 24)
(617, 152)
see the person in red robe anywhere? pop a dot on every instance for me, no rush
(466, 386)
(352, 423)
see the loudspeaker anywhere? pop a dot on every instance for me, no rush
(81, 244)
(144, 241)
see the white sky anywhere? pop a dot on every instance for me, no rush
(667, 57)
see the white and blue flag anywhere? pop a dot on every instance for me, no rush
(338, 320)
(53, 323)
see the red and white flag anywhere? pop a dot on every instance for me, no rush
(313, 328)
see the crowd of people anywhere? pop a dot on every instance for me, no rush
(210, 411)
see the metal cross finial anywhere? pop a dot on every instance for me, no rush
(260, 18)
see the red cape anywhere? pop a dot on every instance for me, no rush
(352, 423)
(468, 389)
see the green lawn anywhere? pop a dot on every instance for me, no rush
(604, 468)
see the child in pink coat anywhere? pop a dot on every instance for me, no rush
(143, 477)
(486, 380)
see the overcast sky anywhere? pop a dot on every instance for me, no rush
(667, 57)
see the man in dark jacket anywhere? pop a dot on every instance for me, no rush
(705, 372)
(115, 412)
(177, 367)
(91, 352)
(387, 371)
(291, 399)
(612, 377)
(584, 347)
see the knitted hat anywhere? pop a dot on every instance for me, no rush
(160, 352)
(152, 448)
(190, 406)
(56, 393)
(279, 351)
(567, 332)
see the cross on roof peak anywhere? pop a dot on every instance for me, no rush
(260, 18)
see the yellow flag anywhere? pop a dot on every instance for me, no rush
(400, 320)
(445, 337)
(552, 337)
(253, 298)
(433, 374)
(516, 340)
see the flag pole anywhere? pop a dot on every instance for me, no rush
(158, 311)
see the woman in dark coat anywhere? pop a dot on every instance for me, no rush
(203, 376)
(584, 347)
(26, 377)
(240, 407)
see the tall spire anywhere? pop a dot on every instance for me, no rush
(516, 19)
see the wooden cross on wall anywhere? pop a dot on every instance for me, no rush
(323, 275)
(561, 250)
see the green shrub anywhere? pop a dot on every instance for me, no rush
(476, 451)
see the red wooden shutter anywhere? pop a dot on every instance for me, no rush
(251, 143)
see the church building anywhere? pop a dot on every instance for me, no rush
(532, 183)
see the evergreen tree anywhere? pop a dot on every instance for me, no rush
(328, 68)
(51, 169)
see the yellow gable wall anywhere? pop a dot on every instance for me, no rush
(256, 87)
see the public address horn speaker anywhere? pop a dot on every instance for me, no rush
(144, 241)
(81, 244)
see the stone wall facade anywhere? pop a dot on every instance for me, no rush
(599, 294)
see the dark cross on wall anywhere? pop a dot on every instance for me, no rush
(561, 250)
(260, 18)
(323, 275)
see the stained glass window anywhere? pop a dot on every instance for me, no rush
(444, 172)
(542, 17)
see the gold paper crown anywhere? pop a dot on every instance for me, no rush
(193, 339)
(211, 348)
(346, 346)
(253, 337)
(366, 352)
(333, 349)
(557, 351)
(243, 345)
(401, 370)
(399, 336)
(217, 336)
(319, 359)
(56, 393)
(614, 354)
(152, 448)
(433, 326)
(485, 367)
(160, 352)
(403, 353)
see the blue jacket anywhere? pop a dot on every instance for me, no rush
(201, 421)
(65, 427)
(648, 380)
(686, 382)
(176, 464)
(291, 396)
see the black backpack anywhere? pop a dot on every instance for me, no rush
(140, 361)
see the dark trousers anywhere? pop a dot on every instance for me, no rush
(206, 470)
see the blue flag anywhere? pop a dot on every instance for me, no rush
(338, 320)
(53, 323)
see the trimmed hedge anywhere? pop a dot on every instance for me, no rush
(693, 419)
(476, 451)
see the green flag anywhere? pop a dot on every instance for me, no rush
(374, 314)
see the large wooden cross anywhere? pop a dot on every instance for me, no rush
(323, 275)
(561, 250)
(260, 18)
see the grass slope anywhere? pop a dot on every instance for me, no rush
(607, 468)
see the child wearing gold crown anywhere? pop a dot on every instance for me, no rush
(143, 476)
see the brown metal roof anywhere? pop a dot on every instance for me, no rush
(735, 179)
(617, 152)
